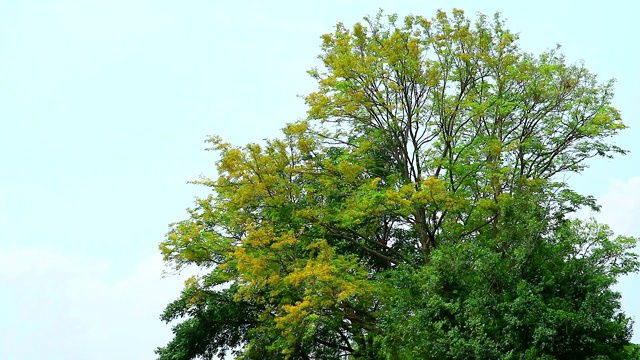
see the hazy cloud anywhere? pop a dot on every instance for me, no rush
(66, 308)
(621, 206)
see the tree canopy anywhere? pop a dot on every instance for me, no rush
(419, 211)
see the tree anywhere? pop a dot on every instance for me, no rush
(418, 212)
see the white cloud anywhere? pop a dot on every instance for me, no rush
(66, 309)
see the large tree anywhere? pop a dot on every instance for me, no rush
(419, 212)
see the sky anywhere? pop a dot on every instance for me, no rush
(104, 109)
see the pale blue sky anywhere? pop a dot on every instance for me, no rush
(104, 107)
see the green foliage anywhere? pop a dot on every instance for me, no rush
(633, 351)
(545, 298)
(417, 213)
(216, 323)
